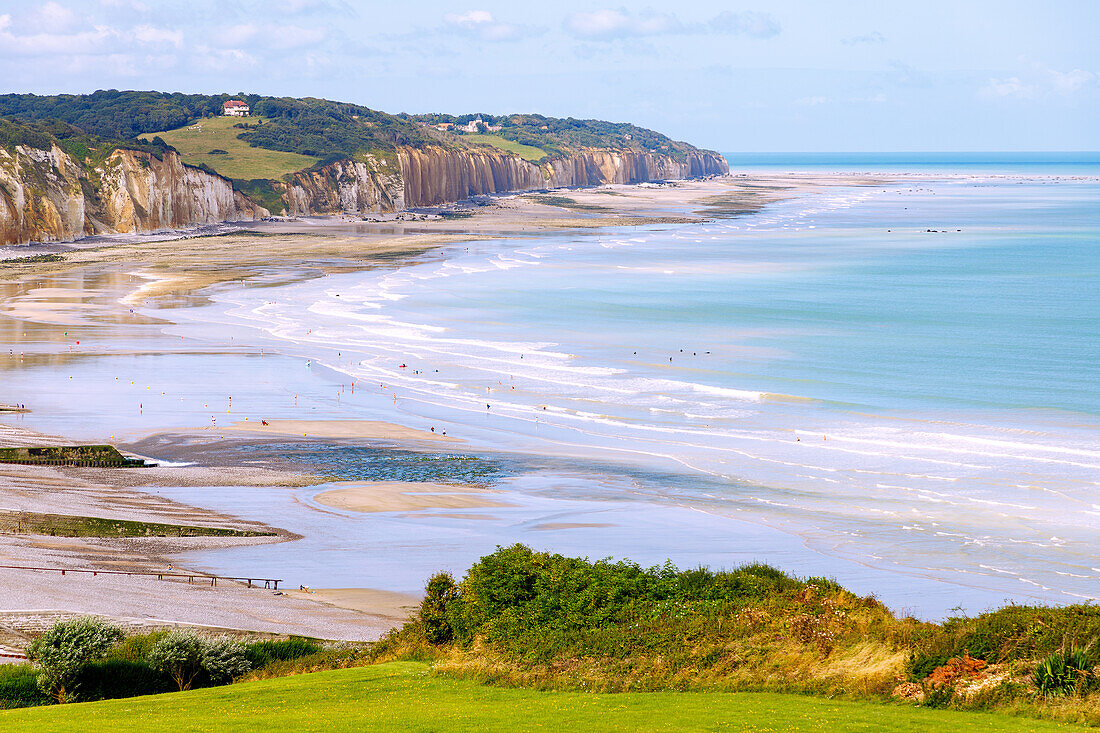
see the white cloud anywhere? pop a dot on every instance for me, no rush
(1010, 87)
(604, 24)
(872, 37)
(812, 101)
(235, 35)
(5, 21)
(747, 23)
(611, 24)
(469, 19)
(482, 24)
(308, 7)
(222, 59)
(287, 37)
(98, 40)
(158, 36)
(1070, 81)
(1040, 82)
(54, 17)
(134, 5)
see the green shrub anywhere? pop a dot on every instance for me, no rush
(921, 664)
(540, 606)
(262, 653)
(111, 678)
(1065, 673)
(136, 648)
(441, 591)
(19, 687)
(223, 659)
(938, 697)
(65, 648)
(1024, 632)
(188, 658)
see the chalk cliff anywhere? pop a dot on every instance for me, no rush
(435, 175)
(46, 195)
(368, 185)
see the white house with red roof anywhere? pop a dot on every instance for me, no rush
(235, 108)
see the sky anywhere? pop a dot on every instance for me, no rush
(784, 75)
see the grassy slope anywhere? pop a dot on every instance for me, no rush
(403, 696)
(243, 161)
(527, 152)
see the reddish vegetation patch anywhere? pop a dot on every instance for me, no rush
(965, 667)
(911, 691)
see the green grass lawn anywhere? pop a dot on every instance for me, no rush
(403, 696)
(195, 141)
(527, 152)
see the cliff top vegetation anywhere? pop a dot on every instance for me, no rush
(321, 128)
(557, 135)
(83, 147)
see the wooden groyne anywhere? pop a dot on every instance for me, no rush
(191, 577)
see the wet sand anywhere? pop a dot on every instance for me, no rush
(393, 496)
(339, 429)
(397, 606)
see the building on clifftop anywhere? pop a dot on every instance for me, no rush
(235, 108)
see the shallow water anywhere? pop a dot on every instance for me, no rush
(904, 375)
(826, 385)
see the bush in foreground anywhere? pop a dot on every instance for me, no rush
(19, 687)
(262, 653)
(65, 648)
(538, 619)
(184, 656)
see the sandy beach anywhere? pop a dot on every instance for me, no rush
(393, 496)
(341, 429)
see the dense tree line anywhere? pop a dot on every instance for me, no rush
(114, 114)
(324, 129)
(308, 126)
(561, 135)
(43, 134)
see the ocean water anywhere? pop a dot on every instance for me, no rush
(1014, 163)
(902, 376)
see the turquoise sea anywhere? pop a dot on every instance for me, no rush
(900, 379)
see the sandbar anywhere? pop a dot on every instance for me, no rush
(546, 526)
(338, 429)
(388, 604)
(391, 496)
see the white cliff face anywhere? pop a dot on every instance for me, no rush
(435, 175)
(40, 196)
(47, 196)
(368, 185)
(141, 193)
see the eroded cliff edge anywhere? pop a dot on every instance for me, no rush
(48, 196)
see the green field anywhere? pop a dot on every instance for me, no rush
(404, 696)
(195, 141)
(527, 152)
